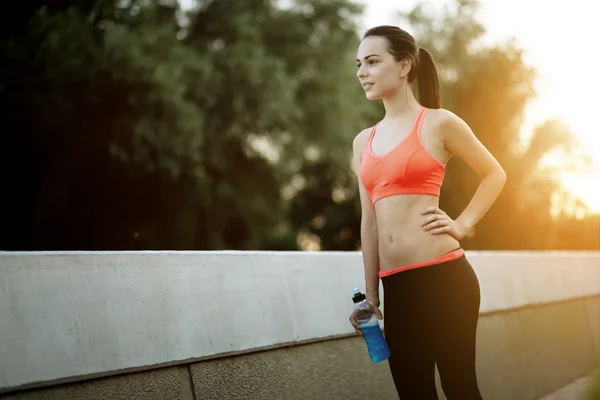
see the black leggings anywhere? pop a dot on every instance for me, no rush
(430, 317)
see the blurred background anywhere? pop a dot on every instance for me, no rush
(228, 124)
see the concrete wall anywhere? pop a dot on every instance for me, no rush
(67, 317)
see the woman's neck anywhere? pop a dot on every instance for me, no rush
(401, 104)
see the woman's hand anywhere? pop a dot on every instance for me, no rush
(437, 221)
(375, 305)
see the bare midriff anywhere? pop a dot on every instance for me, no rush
(402, 239)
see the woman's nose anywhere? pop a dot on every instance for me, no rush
(361, 73)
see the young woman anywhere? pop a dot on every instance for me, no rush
(431, 293)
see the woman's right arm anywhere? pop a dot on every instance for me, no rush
(368, 226)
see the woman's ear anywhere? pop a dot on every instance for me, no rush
(405, 67)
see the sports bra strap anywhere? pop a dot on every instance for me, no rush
(373, 130)
(419, 120)
(368, 144)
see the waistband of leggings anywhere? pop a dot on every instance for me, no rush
(452, 255)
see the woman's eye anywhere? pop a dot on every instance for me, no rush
(370, 62)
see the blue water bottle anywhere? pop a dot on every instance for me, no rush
(369, 325)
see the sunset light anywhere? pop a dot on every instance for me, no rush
(562, 46)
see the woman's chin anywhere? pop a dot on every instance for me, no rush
(371, 95)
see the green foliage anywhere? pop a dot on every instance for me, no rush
(147, 132)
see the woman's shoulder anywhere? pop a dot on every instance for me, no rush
(443, 121)
(442, 116)
(360, 140)
(448, 127)
(358, 144)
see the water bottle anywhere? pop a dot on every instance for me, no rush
(369, 325)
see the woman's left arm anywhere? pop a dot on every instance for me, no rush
(459, 139)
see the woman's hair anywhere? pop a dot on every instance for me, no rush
(402, 45)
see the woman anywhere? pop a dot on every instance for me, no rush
(431, 292)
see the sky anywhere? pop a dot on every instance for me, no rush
(561, 41)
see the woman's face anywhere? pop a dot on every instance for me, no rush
(378, 72)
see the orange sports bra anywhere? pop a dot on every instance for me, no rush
(406, 169)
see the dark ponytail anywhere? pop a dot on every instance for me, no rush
(402, 45)
(428, 82)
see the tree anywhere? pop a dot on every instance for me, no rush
(489, 88)
(131, 124)
(148, 131)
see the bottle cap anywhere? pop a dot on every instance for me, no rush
(358, 296)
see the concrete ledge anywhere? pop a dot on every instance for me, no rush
(558, 345)
(580, 389)
(341, 369)
(593, 314)
(78, 314)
